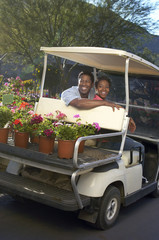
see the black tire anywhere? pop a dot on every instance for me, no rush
(155, 193)
(109, 208)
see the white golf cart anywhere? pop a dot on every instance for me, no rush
(98, 181)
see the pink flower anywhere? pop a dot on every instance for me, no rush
(31, 112)
(60, 115)
(49, 114)
(6, 84)
(18, 78)
(76, 116)
(96, 126)
(13, 110)
(49, 132)
(36, 119)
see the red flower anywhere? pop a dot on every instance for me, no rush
(23, 105)
(17, 121)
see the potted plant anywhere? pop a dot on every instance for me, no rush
(35, 120)
(5, 120)
(67, 134)
(22, 130)
(46, 132)
(21, 123)
(84, 130)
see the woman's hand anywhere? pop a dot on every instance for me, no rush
(113, 105)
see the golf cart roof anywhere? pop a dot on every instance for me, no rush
(104, 58)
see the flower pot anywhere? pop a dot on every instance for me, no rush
(66, 148)
(21, 139)
(81, 146)
(46, 144)
(34, 139)
(4, 135)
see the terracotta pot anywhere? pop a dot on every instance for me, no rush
(21, 139)
(4, 135)
(34, 139)
(81, 146)
(46, 144)
(66, 148)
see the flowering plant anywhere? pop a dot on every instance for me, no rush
(22, 125)
(65, 131)
(5, 116)
(22, 110)
(13, 85)
(72, 131)
(22, 116)
(85, 129)
(18, 88)
(45, 128)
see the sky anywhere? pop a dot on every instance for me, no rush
(154, 15)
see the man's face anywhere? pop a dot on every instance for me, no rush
(84, 85)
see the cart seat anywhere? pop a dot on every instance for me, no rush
(126, 157)
(103, 115)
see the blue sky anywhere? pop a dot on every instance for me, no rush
(154, 15)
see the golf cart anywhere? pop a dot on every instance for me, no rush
(98, 181)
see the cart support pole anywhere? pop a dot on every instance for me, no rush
(127, 84)
(43, 75)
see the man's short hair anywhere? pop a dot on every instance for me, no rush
(86, 73)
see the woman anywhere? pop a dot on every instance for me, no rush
(102, 86)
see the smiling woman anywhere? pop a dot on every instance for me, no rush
(102, 88)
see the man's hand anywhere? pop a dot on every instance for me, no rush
(132, 125)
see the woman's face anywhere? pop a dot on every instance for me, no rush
(103, 88)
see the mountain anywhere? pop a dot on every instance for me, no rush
(153, 44)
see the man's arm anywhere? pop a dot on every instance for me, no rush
(85, 103)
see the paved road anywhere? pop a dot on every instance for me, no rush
(32, 221)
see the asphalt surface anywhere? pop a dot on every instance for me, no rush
(32, 221)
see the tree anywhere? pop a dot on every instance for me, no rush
(30, 24)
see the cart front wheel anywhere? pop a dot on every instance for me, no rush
(109, 208)
(156, 192)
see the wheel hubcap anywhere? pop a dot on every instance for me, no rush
(112, 208)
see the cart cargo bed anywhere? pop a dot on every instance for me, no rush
(40, 192)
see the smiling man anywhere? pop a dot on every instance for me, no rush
(81, 96)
